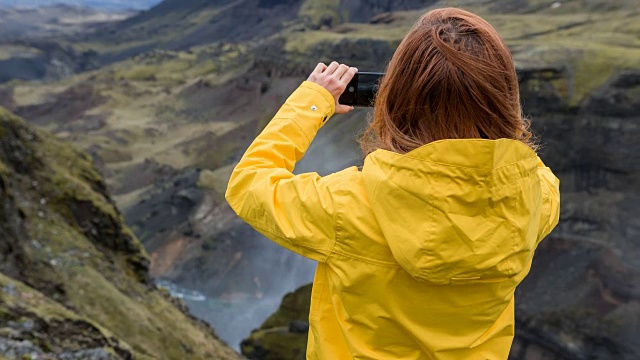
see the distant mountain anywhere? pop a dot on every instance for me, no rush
(183, 24)
(99, 4)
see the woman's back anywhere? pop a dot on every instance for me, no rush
(430, 270)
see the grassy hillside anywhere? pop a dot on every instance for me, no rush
(73, 277)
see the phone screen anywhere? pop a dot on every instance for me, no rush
(362, 89)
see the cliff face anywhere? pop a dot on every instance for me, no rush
(74, 280)
(581, 299)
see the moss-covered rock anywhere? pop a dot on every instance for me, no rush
(74, 279)
(284, 334)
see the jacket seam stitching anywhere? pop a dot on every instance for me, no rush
(337, 229)
(353, 256)
(338, 223)
(313, 311)
(512, 221)
(293, 120)
(270, 232)
(467, 167)
(372, 261)
(367, 260)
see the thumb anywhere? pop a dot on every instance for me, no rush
(343, 109)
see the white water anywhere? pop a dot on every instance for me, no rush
(234, 319)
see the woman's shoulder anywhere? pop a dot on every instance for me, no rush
(358, 234)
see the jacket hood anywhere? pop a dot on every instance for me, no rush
(457, 211)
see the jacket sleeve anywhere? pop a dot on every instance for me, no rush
(295, 211)
(550, 186)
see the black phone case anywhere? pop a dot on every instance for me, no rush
(361, 90)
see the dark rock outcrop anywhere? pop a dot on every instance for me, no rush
(580, 299)
(46, 60)
(364, 10)
(284, 334)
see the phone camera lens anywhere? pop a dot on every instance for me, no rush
(351, 89)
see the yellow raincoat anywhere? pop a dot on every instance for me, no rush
(418, 254)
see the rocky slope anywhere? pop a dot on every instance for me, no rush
(111, 5)
(34, 45)
(284, 334)
(182, 24)
(74, 281)
(165, 127)
(581, 299)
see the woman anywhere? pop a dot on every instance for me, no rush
(420, 252)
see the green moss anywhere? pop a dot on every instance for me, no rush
(303, 43)
(205, 68)
(31, 301)
(278, 343)
(9, 51)
(173, 68)
(597, 64)
(4, 170)
(264, 121)
(114, 155)
(216, 180)
(143, 322)
(295, 306)
(62, 330)
(317, 11)
(562, 87)
(585, 68)
(140, 73)
(215, 151)
(274, 338)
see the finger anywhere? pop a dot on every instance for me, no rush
(331, 68)
(348, 75)
(343, 109)
(319, 68)
(341, 70)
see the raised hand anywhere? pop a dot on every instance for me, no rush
(334, 78)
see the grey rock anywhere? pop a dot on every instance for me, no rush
(90, 354)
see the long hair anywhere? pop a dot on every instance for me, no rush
(452, 77)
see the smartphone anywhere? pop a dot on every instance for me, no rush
(362, 89)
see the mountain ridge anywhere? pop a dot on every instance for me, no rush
(96, 4)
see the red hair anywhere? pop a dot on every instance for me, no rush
(452, 77)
